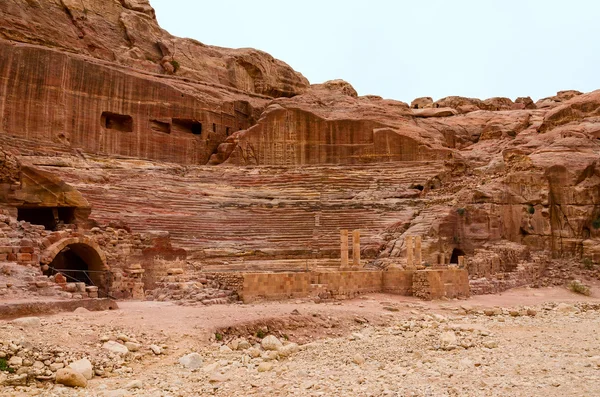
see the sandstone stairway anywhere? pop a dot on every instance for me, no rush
(239, 217)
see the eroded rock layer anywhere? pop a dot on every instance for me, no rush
(248, 166)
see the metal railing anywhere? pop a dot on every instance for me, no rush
(86, 273)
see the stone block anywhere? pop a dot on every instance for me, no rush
(25, 242)
(6, 250)
(23, 257)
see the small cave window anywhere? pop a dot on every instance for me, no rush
(118, 122)
(214, 127)
(227, 131)
(49, 217)
(187, 126)
(586, 233)
(418, 187)
(523, 232)
(160, 126)
(456, 252)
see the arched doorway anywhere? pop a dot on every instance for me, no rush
(456, 252)
(79, 260)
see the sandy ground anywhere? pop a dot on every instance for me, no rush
(376, 345)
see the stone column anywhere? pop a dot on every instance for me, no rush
(418, 259)
(356, 248)
(442, 259)
(409, 251)
(461, 262)
(344, 248)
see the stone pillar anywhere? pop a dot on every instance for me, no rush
(344, 248)
(356, 248)
(409, 251)
(442, 259)
(418, 259)
(461, 262)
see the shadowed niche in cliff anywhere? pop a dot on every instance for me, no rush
(80, 263)
(455, 254)
(118, 122)
(49, 217)
(187, 126)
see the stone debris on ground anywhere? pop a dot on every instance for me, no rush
(463, 351)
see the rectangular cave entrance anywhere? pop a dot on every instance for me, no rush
(49, 217)
(187, 126)
(118, 122)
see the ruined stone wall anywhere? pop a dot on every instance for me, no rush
(275, 286)
(438, 284)
(398, 282)
(348, 284)
(33, 246)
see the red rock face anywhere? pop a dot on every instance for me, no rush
(126, 32)
(50, 96)
(248, 166)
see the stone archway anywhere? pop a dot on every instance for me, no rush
(80, 259)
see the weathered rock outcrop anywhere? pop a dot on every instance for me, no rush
(247, 166)
(126, 32)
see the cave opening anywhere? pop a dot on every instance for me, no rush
(118, 122)
(586, 233)
(187, 126)
(49, 217)
(456, 252)
(80, 263)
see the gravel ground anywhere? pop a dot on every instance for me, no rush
(375, 346)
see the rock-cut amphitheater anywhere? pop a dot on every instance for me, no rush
(139, 165)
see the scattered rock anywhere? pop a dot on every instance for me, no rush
(115, 347)
(134, 384)
(27, 322)
(156, 349)
(191, 361)
(243, 344)
(133, 347)
(358, 359)
(265, 366)
(566, 308)
(448, 340)
(84, 367)
(15, 362)
(271, 343)
(70, 378)
(491, 344)
(288, 350)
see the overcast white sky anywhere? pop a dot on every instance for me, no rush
(406, 49)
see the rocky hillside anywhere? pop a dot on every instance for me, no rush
(250, 166)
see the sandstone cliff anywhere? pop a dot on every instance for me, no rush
(250, 167)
